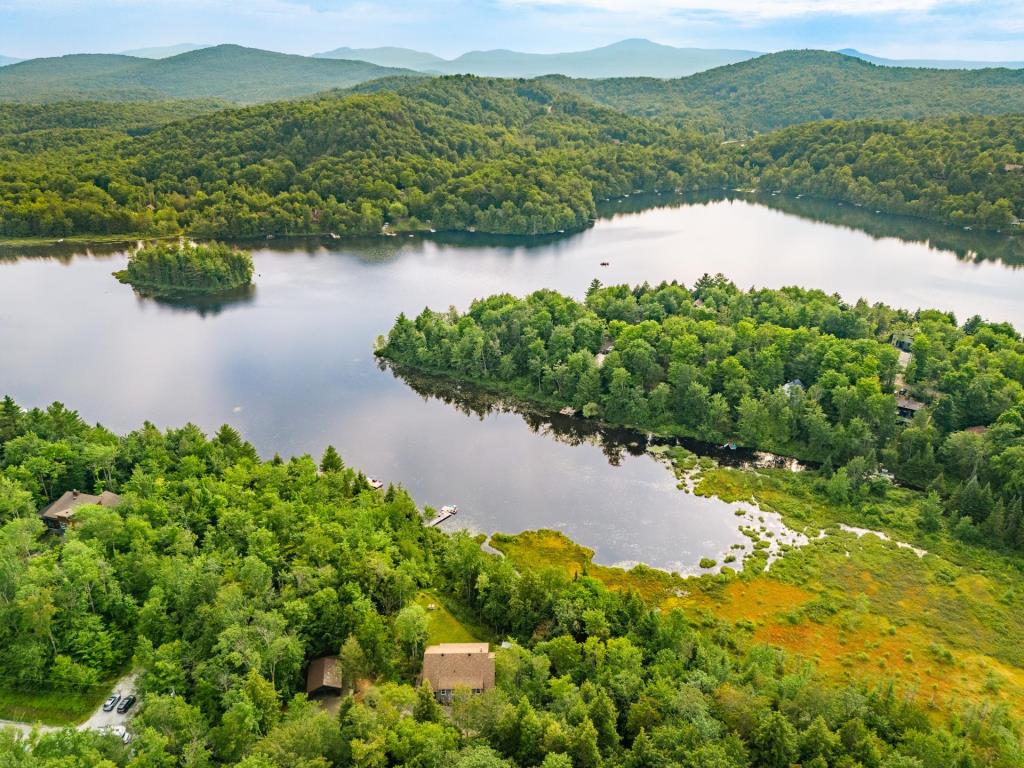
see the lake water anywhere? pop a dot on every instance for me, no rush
(290, 365)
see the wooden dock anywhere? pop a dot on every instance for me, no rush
(444, 514)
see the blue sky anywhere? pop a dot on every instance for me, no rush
(974, 29)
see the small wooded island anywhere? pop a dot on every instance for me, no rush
(175, 269)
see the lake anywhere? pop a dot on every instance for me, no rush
(290, 364)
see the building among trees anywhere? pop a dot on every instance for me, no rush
(58, 515)
(323, 677)
(450, 666)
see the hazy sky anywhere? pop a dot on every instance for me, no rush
(978, 29)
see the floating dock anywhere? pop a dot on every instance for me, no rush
(443, 514)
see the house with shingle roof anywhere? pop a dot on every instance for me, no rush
(59, 515)
(450, 666)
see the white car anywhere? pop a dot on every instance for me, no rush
(121, 732)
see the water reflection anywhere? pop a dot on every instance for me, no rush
(291, 366)
(65, 252)
(967, 245)
(615, 442)
(203, 304)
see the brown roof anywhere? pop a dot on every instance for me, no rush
(323, 673)
(64, 507)
(977, 430)
(909, 404)
(459, 665)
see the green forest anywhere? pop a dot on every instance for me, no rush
(460, 153)
(792, 87)
(229, 73)
(186, 268)
(792, 371)
(220, 576)
(456, 154)
(967, 171)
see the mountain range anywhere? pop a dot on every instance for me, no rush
(227, 72)
(780, 89)
(6, 60)
(628, 58)
(931, 63)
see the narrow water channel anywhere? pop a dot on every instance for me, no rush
(290, 363)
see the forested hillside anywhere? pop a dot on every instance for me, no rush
(792, 87)
(221, 576)
(225, 72)
(465, 153)
(967, 171)
(452, 153)
(794, 372)
(132, 118)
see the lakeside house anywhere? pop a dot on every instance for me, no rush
(323, 677)
(59, 515)
(450, 666)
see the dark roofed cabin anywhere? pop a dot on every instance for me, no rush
(59, 515)
(323, 677)
(908, 407)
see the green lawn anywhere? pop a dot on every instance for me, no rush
(48, 707)
(444, 627)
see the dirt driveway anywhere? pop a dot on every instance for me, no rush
(98, 720)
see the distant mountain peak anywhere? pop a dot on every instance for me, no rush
(929, 63)
(632, 57)
(164, 51)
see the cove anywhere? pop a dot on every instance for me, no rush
(290, 363)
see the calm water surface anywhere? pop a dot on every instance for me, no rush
(291, 366)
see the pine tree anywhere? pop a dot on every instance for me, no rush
(973, 500)
(331, 461)
(583, 745)
(426, 709)
(775, 741)
(930, 519)
(994, 526)
(10, 419)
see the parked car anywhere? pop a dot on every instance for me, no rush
(122, 733)
(109, 704)
(126, 704)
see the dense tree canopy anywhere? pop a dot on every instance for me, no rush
(460, 153)
(965, 171)
(792, 371)
(176, 268)
(452, 153)
(792, 87)
(223, 575)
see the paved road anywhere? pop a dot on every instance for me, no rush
(97, 720)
